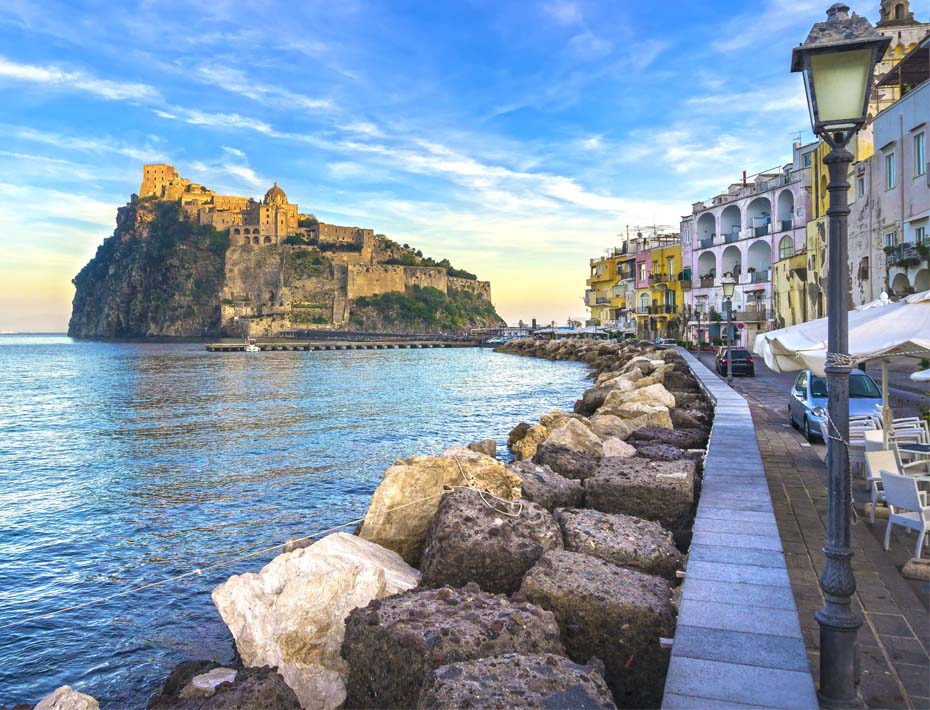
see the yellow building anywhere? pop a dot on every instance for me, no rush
(659, 296)
(601, 281)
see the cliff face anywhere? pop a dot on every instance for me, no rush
(156, 276)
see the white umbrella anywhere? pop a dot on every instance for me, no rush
(875, 331)
(921, 376)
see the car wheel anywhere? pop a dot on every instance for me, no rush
(806, 431)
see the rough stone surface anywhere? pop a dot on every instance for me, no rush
(608, 426)
(652, 394)
(290, 615)
(251, 688)
(570, 464)
(612, 613)
(916, 568)
(655, 490)
(545, 487)
(682, 438)
(621, 539)
(575, 436)
(690, 418)
(618, 448)
(655, 415)
(680, 380)
(478, 539)
(204, 685)
(488, 447)
(659, 452)
(690, 400)
(592, 399)
(408, 496)
(554, 419)
(67, 698)
(526, 447)
(393, 645)
(539, 682)
(517, 433)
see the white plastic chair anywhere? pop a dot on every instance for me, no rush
(874, 440)
(912, 511)
(858, 427)
(876, 462)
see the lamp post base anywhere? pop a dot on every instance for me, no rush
(839, 672)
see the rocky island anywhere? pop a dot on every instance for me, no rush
(185, 261)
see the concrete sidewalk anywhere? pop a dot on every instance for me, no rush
(894, 640)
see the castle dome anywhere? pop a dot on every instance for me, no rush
(275, 196)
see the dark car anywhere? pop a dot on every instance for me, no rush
(742, 362)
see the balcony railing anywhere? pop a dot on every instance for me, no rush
(760, 231)
(707, 281)
(731, 237)
(708, 242)
(786, 224)
(760, 277)
(755, 316)
(685, 284)
(601, 300)
(902, 252)
(658, 278)
(667, 308)
(644, 310)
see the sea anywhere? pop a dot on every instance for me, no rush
(124, 464)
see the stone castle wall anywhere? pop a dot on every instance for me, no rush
(373, 279)
(482, 289)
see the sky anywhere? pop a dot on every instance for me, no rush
(518, 138)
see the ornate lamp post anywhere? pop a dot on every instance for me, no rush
(838, 62)
(729, 285)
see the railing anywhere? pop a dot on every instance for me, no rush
(760, 277)
(685, 284)
(786, 224)
(731, 237)
(760, 231)
(601, 301)
(658, 278)
(709, 242)
(668, 308)
(644, 310)
(707, 281)
(900, 252)
(757, 315)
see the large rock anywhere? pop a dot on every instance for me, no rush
(290, 615)
(545, 487)
(679, 380)
(393, 645)
(682, 438)
(657, 376)
(617, 447)
(515, 681)
(656, 415)
(526, 447)
(408, 496)
(566, 462)
(203, 685)
(592, 399)
(659, 452)
(690, 419)
(517, 433)
(621, 539)
(474, 538)
(612, 613)
(575, 436)
(488, 447)
(646, 365)
(67, 698)
(652, 394)
(655, 490)
(608, 426)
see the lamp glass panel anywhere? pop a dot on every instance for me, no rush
(840, 80)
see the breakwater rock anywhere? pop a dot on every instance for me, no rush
(545, 582)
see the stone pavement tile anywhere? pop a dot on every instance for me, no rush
(914, 678)
(736, 556)
(745, 648)
(744, 594)
(748, 516)
(723, 572)
(878, 684)
(736, 527)
(905, 650)
(674, 701)
(733, 617)
(741, 684)
(756, 542)
(890, 625)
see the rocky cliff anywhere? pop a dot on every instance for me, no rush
(155, 276)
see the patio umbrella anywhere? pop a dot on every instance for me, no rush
(876, 330)
(921, 376)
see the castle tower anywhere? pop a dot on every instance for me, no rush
(896, 13)
(155, 177)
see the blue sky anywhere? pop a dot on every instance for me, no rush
(515, 138)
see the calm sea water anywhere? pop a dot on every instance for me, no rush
(126, 463)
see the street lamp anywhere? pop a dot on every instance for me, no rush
(729, 285)
(838, 61)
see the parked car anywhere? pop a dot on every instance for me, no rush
(670, 342)
(743, 363)
(807, 402)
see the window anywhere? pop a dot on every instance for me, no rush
(807, 160)
(860, 187)
(889, 239)
(785, 248)
(642, 271)
(920, 155)
(920, 235)
(890, 172)
(670, 266)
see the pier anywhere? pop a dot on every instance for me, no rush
(345, 345)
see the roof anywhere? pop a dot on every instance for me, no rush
(913, 69)
(274, 192)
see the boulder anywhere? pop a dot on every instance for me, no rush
(554, 419)
(621, 539)
(656, 416)
(575, 436)
(393, 646)
(618, 448)
(659, 452)
(67, 698)
(566, 462)
(655, 394)
(613, 613)
(517, 434)
(408, 496)
(488, 447)
(689, 419)
(190, 687)
(646, 365)
(474, 538)
(684, 381)
(682, 438)
(655, 490)
(526, 447)
(545, 487)
(515, 681)
(290, 615)
(608, 426)
(657, 376)
(592, 399)
(606, 376)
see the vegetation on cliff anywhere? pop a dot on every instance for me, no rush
(156, 275)
(424, 310)
(411, 258)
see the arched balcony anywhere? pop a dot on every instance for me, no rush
(759, 215)
(706, 230)
(900, 286)
(707, 268)
(785, 210)
(731, 221)
(759, 259)
(732, 262)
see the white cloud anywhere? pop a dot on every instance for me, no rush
(64, 80)
(564, 12)
(146, 154)
(237, 82)
(747, 30)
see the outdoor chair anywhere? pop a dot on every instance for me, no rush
(876, 462)
(907, 507)
(874, 440)
(858, 427)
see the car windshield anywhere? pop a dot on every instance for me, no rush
(859, 386)
(863, 386)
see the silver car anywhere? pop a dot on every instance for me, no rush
(807, 403)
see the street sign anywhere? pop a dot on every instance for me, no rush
(740, 326)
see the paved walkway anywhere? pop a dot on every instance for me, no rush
(895, 667)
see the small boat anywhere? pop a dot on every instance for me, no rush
(251, 347)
